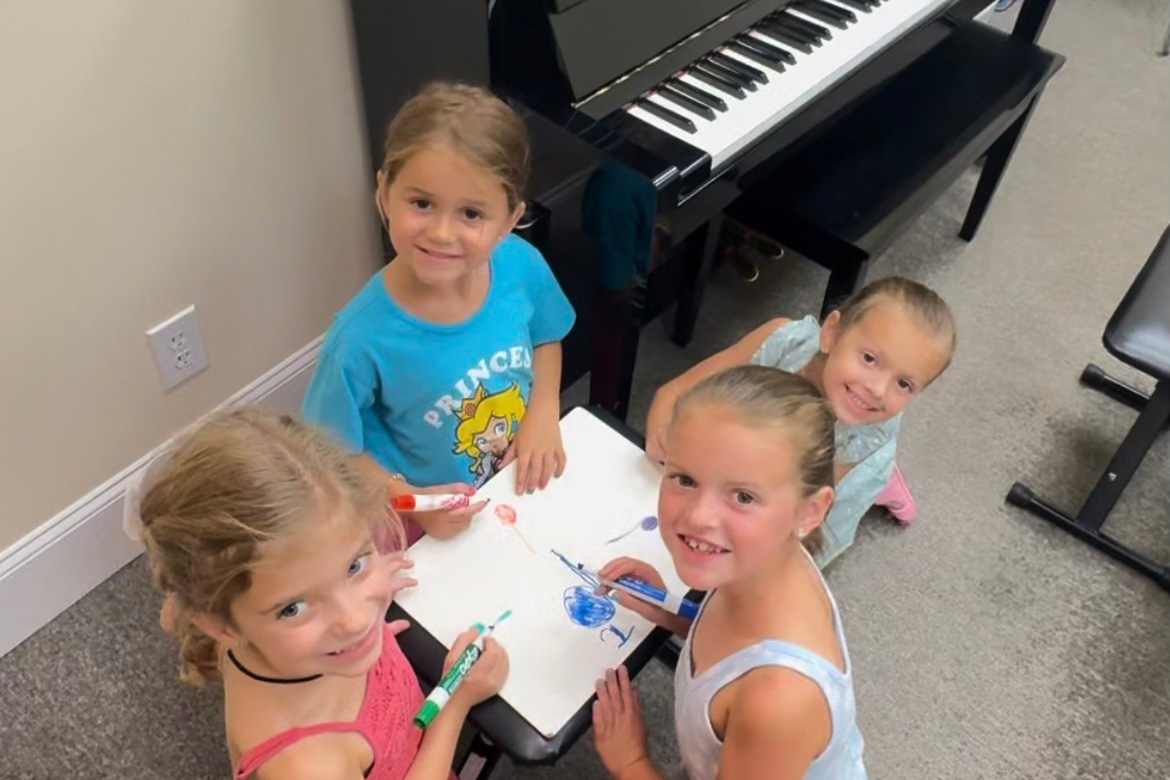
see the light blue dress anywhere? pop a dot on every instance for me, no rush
(869, 448)
(701, 749)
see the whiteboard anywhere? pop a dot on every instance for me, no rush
(608, 488)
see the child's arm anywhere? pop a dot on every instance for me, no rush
(437, 751)
(662, 407)
(777, 726)
(537, 447)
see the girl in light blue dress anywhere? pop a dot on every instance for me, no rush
(870, 359)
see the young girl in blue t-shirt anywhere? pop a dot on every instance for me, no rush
(446, 366)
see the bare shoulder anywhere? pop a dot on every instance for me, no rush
(314, 758)
(783, 707)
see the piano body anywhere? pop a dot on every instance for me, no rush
(649, 118)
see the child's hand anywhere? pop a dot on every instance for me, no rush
(486, 677)
(618, 730)
(396, 562)
(639, 570)
(538, 452)
(446, 523)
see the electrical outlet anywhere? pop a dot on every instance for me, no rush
(178, 348)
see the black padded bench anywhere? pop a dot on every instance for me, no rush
(1137, 334)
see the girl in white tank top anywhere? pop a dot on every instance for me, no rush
(764, 686)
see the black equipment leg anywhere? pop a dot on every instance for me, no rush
(698, 256)
(1086, 526)
(998, 157)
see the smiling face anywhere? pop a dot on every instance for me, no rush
(731, 499)
(444, 215)
(317, 602)
(877, 365)
(494, 439)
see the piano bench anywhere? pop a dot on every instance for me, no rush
(840, 196)
(1138, 334)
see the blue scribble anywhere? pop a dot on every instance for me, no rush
(649, 523)
(623, 638)
(587, 609)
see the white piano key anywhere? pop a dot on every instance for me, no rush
(749, 119)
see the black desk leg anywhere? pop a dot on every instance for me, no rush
(998, 157)
(698, 255)
(480, 761)
(844, 280)
(1095, 377)
(1086, 526)
(616, 332)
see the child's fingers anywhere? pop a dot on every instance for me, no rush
(396, 627)
(401, 584)
(562, 460)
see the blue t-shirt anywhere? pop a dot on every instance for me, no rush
(868, 447)
(438, 403)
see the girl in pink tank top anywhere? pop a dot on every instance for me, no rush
(263, 534)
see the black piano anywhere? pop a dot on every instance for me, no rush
(651, 119)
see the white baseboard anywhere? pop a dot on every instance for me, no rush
(52, 567)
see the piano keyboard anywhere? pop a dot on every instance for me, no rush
(735, 95)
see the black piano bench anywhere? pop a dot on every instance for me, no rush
(1137, 334)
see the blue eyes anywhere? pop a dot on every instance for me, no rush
(358, 564)
(295, 609)
(744, 498)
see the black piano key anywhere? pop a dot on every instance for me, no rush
(798, 42)
(689, 103)
(827, 15)
(812, 27)
(701, 95)
(718, 82)
(731, 75)
(841, 13)
(752, 71)
(666, 115)
(794, 28)
(753, 42)
(755, 55)
(859, 5)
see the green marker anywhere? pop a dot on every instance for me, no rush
(451, 680)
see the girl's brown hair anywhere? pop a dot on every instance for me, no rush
(771, 399)
(918, 299)
(476, 123)
(240, 479)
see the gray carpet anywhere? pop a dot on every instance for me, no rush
(987, 644)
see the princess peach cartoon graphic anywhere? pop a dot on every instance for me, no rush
(486, 426)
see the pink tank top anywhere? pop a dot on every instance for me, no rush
(385, 720)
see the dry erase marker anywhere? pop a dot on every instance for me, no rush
(454, 676)
(421, 503)
(643, 591)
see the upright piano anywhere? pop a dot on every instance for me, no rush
(649, 118)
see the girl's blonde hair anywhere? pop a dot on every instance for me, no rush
(240, 479)
(773, 400)
(918, 299)
(476, 123)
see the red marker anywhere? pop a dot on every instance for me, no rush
(429, 503)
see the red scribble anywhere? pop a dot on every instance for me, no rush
(506, 514)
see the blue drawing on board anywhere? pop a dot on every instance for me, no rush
(647, 523)
(585, 608)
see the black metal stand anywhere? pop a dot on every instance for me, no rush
(480, 751)
(1087, 525)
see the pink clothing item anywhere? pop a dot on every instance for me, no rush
(385, 720)
(897, 498)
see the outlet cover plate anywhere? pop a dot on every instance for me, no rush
(177, 346)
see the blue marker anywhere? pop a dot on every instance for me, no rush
(684, 608)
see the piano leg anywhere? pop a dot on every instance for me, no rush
(996, 162)
(844, 280)
(698, 255)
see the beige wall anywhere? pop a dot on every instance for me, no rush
(155, 154)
